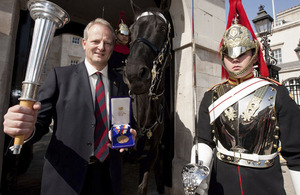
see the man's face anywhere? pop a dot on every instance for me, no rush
(238, 64)
(122, 39)
(99, 46)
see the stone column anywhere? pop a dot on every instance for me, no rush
(9, 14)
(209, 27)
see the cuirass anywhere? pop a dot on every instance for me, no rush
(249, 125)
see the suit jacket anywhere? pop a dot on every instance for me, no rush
(66, 96)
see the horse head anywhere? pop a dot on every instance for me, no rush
(149, 50)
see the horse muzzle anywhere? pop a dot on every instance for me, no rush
(138, 78)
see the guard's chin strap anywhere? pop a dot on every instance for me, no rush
(249, 65)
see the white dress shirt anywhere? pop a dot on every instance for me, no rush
(93, 80)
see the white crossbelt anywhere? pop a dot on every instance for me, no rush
(253, 157)
(234, 95)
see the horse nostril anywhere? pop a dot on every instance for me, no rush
(144, 73)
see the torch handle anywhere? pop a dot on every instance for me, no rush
(19, 140)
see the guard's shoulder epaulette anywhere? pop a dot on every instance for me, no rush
(216, 85)
(271, 80)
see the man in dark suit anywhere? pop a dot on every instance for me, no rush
(67, 97)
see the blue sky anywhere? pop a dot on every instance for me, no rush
(251, 7)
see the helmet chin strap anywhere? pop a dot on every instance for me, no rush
(250, 64)
(122, 42)
(235, 74)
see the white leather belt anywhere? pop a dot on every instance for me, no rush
(249, 160)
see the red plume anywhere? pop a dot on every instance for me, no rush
(122, 16)
(236, 7)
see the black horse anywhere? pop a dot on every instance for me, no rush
(150, 53)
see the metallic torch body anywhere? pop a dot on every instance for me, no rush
(48, 17)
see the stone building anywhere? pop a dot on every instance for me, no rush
(284, 40)
(65, 50)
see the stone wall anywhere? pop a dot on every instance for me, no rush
(9, 14)
(209, 27)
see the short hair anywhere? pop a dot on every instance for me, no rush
(100, 21)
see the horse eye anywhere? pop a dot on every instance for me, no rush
(163, 29)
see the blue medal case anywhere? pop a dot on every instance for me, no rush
(120, 123)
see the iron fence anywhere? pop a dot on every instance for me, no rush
(293, 85)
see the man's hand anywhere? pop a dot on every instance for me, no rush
(20, 120)
(132, 131)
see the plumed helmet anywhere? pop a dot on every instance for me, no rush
(122, 28)
(237, 40)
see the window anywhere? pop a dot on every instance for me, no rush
(76, 40)
(293, 85)
(277, 55)
(73, 62)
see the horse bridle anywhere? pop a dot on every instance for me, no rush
(160, 61)
(159, 64)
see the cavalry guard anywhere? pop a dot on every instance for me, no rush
(119, 56)
(242, 120)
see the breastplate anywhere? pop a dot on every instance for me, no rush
(249, 125)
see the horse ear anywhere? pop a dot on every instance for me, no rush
(165, 5)
(134, 7)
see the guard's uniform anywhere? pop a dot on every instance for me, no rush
(117, 61)
(251, 127)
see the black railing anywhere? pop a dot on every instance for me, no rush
(293, 85)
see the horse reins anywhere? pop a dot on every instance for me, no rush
(159, 64)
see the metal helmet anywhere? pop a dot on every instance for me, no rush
(239, 37)
(236, 41)
(122, 28)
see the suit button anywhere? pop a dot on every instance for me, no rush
(93, 125)
(89, 144)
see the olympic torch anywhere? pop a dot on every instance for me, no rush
(48, 17)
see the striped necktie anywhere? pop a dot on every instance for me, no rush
(101, 132)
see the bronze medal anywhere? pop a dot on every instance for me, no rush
(122, 139)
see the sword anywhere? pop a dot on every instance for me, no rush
(48, 17)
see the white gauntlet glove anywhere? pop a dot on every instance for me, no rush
(295, 176)
(205, 154)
